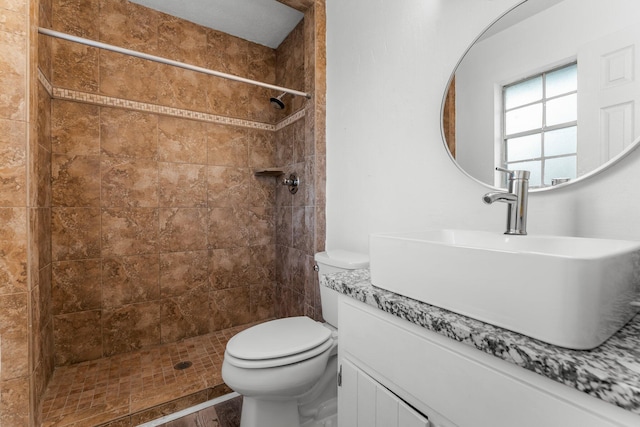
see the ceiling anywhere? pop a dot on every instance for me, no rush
(267, 22)
(520, 13)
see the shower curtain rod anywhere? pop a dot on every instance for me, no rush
(161, 60)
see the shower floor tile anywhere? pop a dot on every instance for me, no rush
(129, 389)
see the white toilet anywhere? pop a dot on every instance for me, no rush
(286, 368)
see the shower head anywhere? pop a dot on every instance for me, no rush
(277, 102)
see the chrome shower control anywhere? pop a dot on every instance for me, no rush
(293, 181)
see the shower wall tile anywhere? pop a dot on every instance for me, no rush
(15, 338)
(40, 305)
(13, 22)
(262, 191)
(75, 128)
(284, 146)
(121, 77)
(182, 88)
(300, 144)
(261, 149)
(227, 228)
(14, 401)
(182, 40)
(40, 177)
(77, 337)
(13, 166)
(230, 307)
(131, 327)
(74, 181)
(183, 185)
(129, 182)
(303, 226)
(300, 217)
(221, 47)
(185, 316)
(308, 172)
(75, 233)
(76, 286)
(183, 272)
(76, 17)
(262, 226)
(129, 25)
(182, 141)
(263, 264)
(227, 146)
(126, 133)
(229, 267)
(228, 186)
(42, 233)
(261, 63)
(182, 229)
(129, 231)
(13, 51)
(230, 98)
(75, 66)
(258, 105)
(261, 301)
(130, 279)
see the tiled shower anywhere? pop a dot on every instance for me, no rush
(133, 214)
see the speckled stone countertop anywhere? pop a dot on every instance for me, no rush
(610, 372)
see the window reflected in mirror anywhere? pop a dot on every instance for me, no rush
(540, 125)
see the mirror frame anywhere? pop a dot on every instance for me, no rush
(613, 161)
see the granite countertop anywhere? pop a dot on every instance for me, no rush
(610, 372)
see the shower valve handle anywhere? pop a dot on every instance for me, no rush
(292, 182)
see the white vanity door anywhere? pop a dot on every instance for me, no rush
(363, 402)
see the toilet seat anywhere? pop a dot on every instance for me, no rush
(278, 342)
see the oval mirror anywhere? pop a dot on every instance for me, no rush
(552, 87)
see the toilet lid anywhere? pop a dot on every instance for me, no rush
(278, 338)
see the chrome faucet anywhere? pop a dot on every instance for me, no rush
(516, 199)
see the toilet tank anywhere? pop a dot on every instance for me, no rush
(334, 261)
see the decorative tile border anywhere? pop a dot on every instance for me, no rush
(47, 85)
(290, 119)
(109, 101)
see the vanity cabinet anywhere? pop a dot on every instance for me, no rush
(364, 402)
(387, 362)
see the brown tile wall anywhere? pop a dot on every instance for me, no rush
(128, 25)
(25, 264)
(160, 230)
(300, 149)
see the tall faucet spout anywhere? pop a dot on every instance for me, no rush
(499, 196)
(516, 199)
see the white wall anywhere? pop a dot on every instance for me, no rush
(388, 62)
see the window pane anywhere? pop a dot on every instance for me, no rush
(523, 119)
(563, 167)
(523, 93)
(562, 81)
(562, 110)
(561, 141)
(525, 147)
(535, 167)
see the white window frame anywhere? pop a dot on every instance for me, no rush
(542, 130)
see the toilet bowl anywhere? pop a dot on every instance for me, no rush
(286, 368)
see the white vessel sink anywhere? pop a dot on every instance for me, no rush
(567, 291)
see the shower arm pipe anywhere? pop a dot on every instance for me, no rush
(162, 60)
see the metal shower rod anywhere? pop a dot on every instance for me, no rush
(162, 60)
